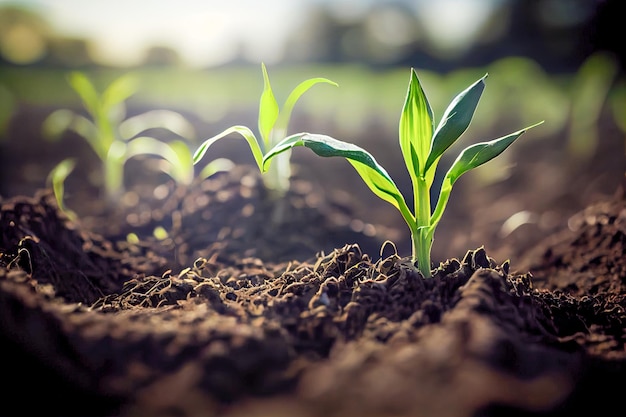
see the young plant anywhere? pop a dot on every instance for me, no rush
(176, 162)
(112, 136)
(422, 146)
(56, 178)
(272, 126)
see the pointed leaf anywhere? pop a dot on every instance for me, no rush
(268, 110)
(285, 114)
(119, 91)
(86, 91)
(247, 134)
(470, 158)
(456, 119)
(416, 128)
(374, 175)
(57, 178)
(60, 172)
(480, 153)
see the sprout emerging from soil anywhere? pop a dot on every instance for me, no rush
(56, 178)
(272, 125)
(116, 139)
(422, 146)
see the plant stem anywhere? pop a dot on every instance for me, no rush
(420, 237)
(277, 180)
(278, 175)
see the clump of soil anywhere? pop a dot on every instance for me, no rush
(95, 325)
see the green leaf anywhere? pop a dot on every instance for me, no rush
(161, 119)
(285, 115)
(480, 153)
(183, 165)
(470, 158)
(56, 124)
(416, 128)
(57, 178)
(455, 121)
(216, 165)
(247, 134)
(86, 91)
(183, 153)
(176, 155)
(374, 175)
(119, 91)
(268, 110)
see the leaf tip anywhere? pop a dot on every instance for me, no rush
(530, 127)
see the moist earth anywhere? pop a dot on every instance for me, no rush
(238, 311)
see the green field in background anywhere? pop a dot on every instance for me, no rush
(518, 92)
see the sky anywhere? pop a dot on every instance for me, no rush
(210, 32)
(203, 31)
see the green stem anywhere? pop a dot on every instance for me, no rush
(420, 237)
(278, 175)
(113, 171)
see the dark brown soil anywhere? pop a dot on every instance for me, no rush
(233, 314)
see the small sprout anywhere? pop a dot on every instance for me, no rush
(56, 178)
(422, 146)
(114, 138)
(272, 125)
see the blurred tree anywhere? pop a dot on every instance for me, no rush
(555, 33)
(68, 52)
(23, 35)
(161, 56)
(390, 32)
(558, 34)
(318, 39)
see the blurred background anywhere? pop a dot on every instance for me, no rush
(561, 61)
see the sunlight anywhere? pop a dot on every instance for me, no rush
(204, 33)
(453, 24)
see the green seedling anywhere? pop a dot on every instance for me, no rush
(422, 146)
(56, 178)
(592, 85)
(272, 126)
(113, 137)
(176, 162)
(175, 159)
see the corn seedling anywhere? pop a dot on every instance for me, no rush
(56, 178)
(422, 146)
(272, 125)
(113, 137)
(175, 159)
(591, 88)
(176, 162)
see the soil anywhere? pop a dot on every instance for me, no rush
(316, 312)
